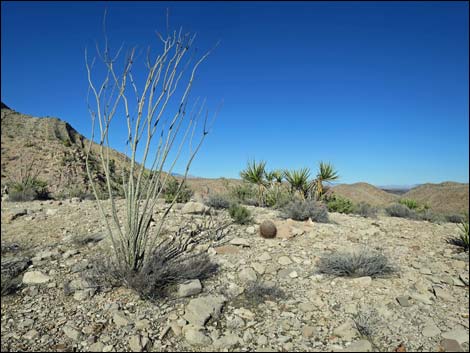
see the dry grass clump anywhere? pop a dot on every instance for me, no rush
(257, 292)
(363, 262)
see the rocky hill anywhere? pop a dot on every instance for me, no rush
(364, 192)
(58, 152)
(444, 197)
(55, 151)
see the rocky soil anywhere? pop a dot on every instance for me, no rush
(423, 307)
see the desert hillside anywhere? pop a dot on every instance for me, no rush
(364, 192)
(444, 197)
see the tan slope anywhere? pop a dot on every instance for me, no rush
(447, 197)
(363, 192)
(58, 152)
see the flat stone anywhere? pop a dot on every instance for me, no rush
(422, 298)
(240, 242)
(31, 334)
(247, 274)
(284, 260)
(347, 330)
(359, 346)
(244, 313)
(72, 332)
(189, 288)
(449, 345)
(227, 249)
(443, 294)
(194, 208)
(362, 281)
(458, 334)
(250, 230)
(143, 324)
(260, 268)
(404, 301)
(195, 337)
(135, 344)
(431, 330)
(308, 331)
(228, 341)
(120, 319)
(293, 274)
(264, 257)
(200, 310)
(97, 347)
(35, 277)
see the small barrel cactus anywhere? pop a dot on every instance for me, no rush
(268, 229)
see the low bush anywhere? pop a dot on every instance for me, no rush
(413, 205)
(243, 193)
(303, 210)
(171, 192)
(277, 197)
(356, 264)
(218, 201)
(365, 210)
(462, 239)
(32, 189)
(401, 211)
(339, 204)
(240, 214)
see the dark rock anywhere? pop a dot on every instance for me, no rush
(268, 229)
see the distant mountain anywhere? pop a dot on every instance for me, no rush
(446, 197)
(364, 192)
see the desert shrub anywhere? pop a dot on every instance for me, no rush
(256, 292)
(277, 197)
(401, 211)
(462, 239)
(455, 218)
(158, 276)
(244, 192)
(365, 210)
(171, 192)
(31, 189)
(240, 214)
(428, 215)
(356, 264)
(218, 201)
(302, 210)
(66, 143)
(339, 204)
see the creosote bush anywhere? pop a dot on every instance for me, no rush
(218, 201)
(339, 204)
(359, 263)
(303, 210)
(240, 214)
(171, 192)
(401, 211)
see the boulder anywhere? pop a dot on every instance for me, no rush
(194, 208)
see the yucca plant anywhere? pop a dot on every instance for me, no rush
(255, 173)
(326, 173)
(462, 239)
(298, 181)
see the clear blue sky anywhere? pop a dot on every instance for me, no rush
(378, 89)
